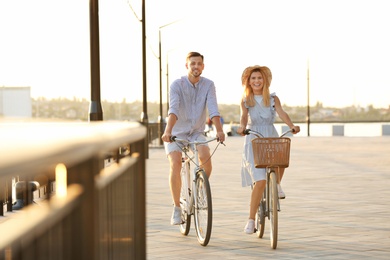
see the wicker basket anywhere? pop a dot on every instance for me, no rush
(271, 152)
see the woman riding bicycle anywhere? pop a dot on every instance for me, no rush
(258, 112)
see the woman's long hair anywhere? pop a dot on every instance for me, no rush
(248, 92)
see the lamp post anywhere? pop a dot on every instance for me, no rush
(160, 117)
(308, 99)
(144, 115)
(167, 75)
(167, 85)
(95, 109)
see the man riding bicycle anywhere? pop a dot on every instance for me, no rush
(189, 99)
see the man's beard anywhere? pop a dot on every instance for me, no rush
(196, 75)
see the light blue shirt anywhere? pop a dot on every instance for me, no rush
(189, 104)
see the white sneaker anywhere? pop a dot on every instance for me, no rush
(281, 193)
(176, 216)
(250, 227)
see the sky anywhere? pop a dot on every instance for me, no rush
(342, 45)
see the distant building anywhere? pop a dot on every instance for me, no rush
(15, 102)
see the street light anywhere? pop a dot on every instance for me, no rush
(144, 115)
(167, 75)
(95, 109)
(308, 98)
(167, 85)
(160, 117)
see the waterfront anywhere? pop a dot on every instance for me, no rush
(350, 129)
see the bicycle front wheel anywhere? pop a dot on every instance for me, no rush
(185, 199)
(203, 208)
(273, 209)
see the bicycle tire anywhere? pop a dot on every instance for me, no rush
(273, 209)
(203, 208)
(260, 218)
(185, 199)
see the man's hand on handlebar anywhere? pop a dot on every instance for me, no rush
(220, 137)
(167, 137)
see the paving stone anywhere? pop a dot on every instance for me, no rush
(337, 204)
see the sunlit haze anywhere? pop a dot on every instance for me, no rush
(344, 44)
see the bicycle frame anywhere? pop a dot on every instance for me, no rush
(194, 158)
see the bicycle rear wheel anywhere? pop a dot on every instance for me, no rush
(185, 199)
(203, 208)
(260, 218)
(273, 209)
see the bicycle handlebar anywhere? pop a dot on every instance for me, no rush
(258, 134)
(174, 139)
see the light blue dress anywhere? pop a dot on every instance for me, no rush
(260, 119)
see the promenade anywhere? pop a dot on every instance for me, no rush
(337, 204)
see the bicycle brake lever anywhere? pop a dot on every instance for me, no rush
(221, 142)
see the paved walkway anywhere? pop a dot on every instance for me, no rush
(337, 204)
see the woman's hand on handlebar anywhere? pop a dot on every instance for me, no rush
(240, 130)
(295, 129)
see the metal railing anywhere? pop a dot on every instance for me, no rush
(155, 134)
(97, 213)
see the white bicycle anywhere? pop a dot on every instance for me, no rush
(195, 195)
